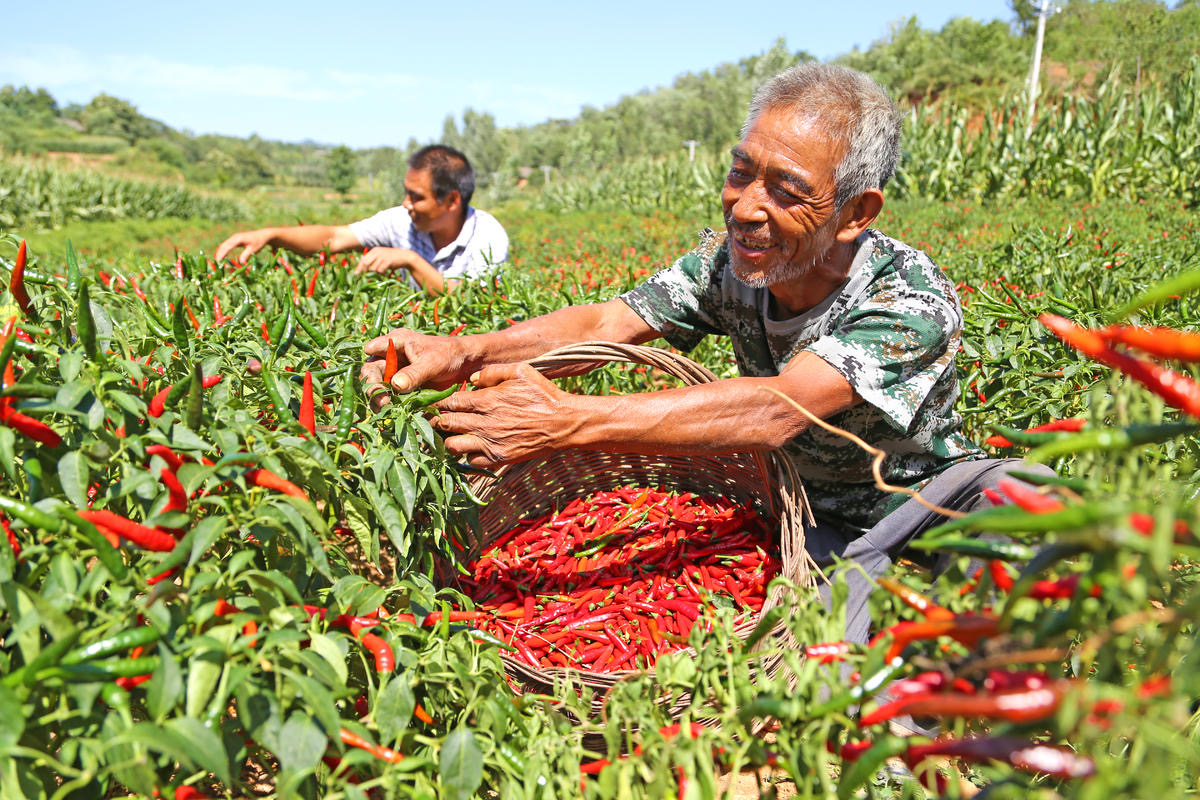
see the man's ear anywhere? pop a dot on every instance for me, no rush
(453, 201)
(858, 215)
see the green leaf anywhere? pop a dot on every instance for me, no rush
(328, 650)
(301, 743)
(203, 744)
(318, 700)
(403, 485)
(394, 709)
(13, 716)
(73, 474)
(8, 454)
(165, 687)
(461, 765)
(389, 514)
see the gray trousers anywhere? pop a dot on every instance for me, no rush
(959, 488)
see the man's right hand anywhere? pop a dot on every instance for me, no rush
(251, 241)
(424, 362)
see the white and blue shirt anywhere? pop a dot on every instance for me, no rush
(481, 245)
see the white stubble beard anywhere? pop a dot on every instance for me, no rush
(822, 241)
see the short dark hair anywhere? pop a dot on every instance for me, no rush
(450, 169)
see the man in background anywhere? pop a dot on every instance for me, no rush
(435, 235)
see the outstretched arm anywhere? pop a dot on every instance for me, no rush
(302, 239)
(515, 414)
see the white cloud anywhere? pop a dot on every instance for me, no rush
(66, 69)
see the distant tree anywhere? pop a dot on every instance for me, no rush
(28, 103)
(1025, 14)
(339, 167)
(111, 116)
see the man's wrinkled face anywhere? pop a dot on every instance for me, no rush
(779, 199)
(420, 201)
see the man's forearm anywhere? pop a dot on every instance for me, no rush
(732, 415)
(303, 239)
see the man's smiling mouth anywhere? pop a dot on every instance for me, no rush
(750, 243)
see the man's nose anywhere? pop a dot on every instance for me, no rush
(749, 204)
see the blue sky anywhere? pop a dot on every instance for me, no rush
(376, 73)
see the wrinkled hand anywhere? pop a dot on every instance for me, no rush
(514, 414)
(424, 362)
(251, 241)
(384, 259)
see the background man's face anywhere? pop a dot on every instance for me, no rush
(419, 199)
(779, 199)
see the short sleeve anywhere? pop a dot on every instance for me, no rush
(893, 348)
(676, 301)
(388, 228)
(487, 250)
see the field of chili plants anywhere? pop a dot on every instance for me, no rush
(225, 576)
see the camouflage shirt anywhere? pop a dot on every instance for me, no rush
(892, 330)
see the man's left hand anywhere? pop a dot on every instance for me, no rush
(385, 259)
(513, 414)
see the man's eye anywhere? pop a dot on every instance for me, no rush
(737, 174)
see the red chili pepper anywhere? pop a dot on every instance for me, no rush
(1054, 760)
(915, 600)
(191, 316)
(1033, 501)
(1020, 705)
(12, 537)
(312, 283)
(157, 404)
(391, 362)
(999, 571)
(16, 283)
(139, 534)
(29, 427)
(966, 629)
(269, 480)
(1177, 390)
(307, 406)
(458, 330)
(382, 753)
(178, 499)
(421, 714)
(1161, 342)
(266, 336)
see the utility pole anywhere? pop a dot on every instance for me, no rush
(690, 144)
(1036, 69)
(546, 171)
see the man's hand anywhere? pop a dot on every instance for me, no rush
(513, 414)
(385, 259)
(252, 241)
(424, 361)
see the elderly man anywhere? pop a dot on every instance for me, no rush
(435, 235)
(856, 327)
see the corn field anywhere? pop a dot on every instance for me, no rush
(46, 197)
(1120, 142)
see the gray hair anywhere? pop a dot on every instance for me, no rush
(853, 111)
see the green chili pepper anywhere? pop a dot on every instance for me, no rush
(1007, 551)
(484, 636)
(869, 685)
(156, 326)
(1168, 289)
(311, 330)
(194, 413)
(85, 325)
(29, 389)
(48, 657)
(1112, 439)
(289, 333)
(276, 330)
(30, 515)
(178, 390)
(179, 326)
(118, 643)
(6, 352)
(426, 397)
(347, 407)
(243, 311)
(96, 671)
(281, 408)
(72, 269)
(381, 315)
(765, 625)
(513, 760)
(1038, 479)
(1013, 519)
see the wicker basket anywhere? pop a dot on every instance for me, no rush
(765, 481)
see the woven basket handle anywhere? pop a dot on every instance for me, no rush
(600, 353)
